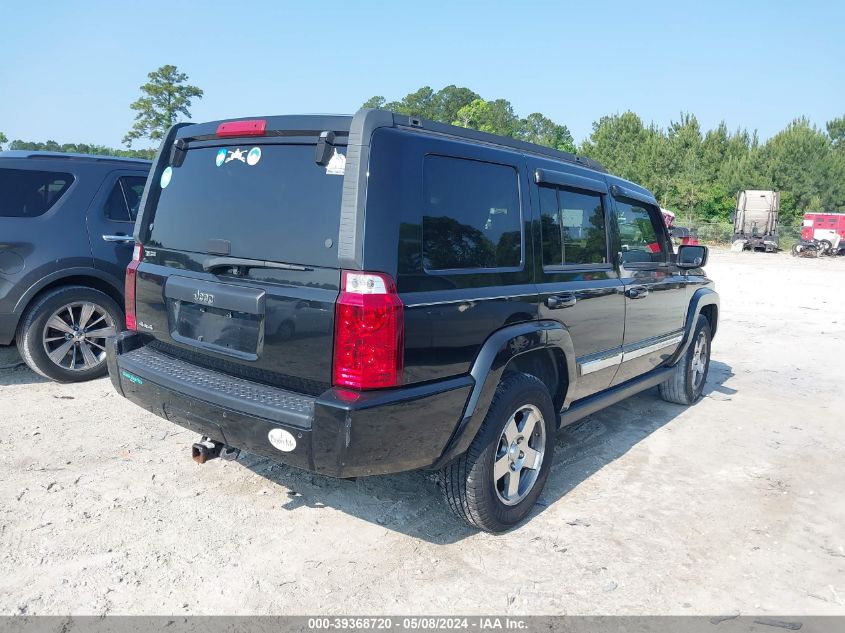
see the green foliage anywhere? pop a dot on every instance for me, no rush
(695, 173)
(461, 106)
(166, 97)
(3, 140)
(836, 132)
(81, 148)
(700, 175)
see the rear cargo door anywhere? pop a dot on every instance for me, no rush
(240, 270)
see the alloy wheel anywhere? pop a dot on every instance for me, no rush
(74, 336)
(519, 455)
(698, 366)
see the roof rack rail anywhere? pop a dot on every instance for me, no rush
(402, 120)
(39, 154)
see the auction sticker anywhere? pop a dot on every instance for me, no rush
(282, 440)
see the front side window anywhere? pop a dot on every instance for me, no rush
(26, 193)
(639, 234)
(572, 227)
(471, 215)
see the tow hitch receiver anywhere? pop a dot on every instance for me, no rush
(205, 450)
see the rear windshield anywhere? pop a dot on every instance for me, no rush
(270, 202)
(27, 193)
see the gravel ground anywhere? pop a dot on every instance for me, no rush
(733, 505)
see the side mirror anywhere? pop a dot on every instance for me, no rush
(692, 256)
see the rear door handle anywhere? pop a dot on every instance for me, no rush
(637, 292)
(555, 302)
(119, 239)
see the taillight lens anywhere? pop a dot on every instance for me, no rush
(368, 332)
(253, 127)
(129, 287)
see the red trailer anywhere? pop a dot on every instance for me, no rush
(823, 221)
(681, 235)
(822, 234)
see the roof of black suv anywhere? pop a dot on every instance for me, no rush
(365, 121)
(356, 131)
(36, 155)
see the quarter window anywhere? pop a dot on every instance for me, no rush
(471, 216)
(124, 199)
(572, 227)
(639, 233)
(26, 193)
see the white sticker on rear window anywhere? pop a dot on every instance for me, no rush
(236, 154)
(166, 175)
(254, 156)
(221, 157)
(337, 164)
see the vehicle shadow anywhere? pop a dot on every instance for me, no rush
(412, 503)
(13, 371)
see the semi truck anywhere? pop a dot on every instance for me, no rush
(756, 221)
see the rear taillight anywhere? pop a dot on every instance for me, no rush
(253, 127)
(129, 287)
(368, 332)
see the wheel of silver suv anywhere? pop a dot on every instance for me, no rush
(74, 336)
(63, 333)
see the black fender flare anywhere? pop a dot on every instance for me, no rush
(497, 351)
(700, 298)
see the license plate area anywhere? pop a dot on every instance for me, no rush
(221, 318)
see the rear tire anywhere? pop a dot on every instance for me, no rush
(53, 335)
(690, 373)
(494, 485)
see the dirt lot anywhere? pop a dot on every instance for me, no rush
(734, 505)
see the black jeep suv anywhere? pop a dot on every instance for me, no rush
(378, 293)
(65, 240)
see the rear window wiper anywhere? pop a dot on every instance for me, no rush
(216, 263)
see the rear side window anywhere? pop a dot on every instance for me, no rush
(269, 202)
(471, 215)
(124, 199)
(572, 227)
(26, 193)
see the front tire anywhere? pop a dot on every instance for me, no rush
(62, 335)
(690, 373)
(494, 485)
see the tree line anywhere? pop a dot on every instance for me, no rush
(696, 173)
(165, 99)
(693, 172)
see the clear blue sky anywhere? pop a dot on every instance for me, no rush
(69, 70)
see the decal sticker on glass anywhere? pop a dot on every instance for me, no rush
(337, 164)
(221, 157)
(236, 154)
(254, 156)
(166, 175)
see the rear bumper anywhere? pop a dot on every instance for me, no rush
(339, 433)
